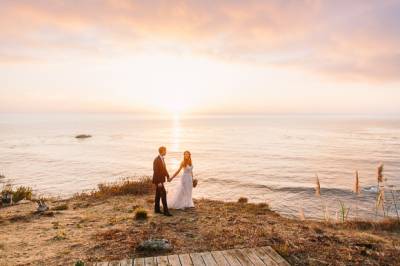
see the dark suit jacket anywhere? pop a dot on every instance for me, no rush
(159, 171)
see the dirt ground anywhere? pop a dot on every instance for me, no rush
(101, 229)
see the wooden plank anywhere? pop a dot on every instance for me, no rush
(243, 259)
(162, 261)
(174, 260)
(249, 252)
(265, 257)
(150, 261)
(275, 256)
(139, 262)
(259, 256)
(127, 262)
(197, 259)
(219, 258)
(230, 256)
(185, 260)
(208, 259)
(102, 264)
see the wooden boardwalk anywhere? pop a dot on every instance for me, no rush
(260, 256)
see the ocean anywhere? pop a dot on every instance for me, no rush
(271, 158)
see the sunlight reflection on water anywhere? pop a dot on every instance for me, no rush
(270, 158)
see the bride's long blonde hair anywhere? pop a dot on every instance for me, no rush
(187, 161)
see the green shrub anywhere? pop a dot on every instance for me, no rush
(141, 214)
(19, 194)
(79, 263)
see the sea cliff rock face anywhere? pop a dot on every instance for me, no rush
(83, 136)
(155, 245)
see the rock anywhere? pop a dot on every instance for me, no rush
(6, 198)
(24, 201)
(83, 136)
(155, 245)
(42, 207)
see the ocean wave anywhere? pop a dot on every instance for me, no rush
(372, 189)
(288, 189)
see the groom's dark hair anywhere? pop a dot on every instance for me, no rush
(161, 149)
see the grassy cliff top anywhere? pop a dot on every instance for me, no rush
(101, 225)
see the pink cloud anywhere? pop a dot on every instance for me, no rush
(340, 39)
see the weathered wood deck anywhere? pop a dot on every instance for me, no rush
(260, 256)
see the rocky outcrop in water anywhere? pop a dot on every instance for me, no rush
(83, 136)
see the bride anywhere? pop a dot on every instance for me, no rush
(181, 198)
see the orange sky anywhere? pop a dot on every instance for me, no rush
(200, 56)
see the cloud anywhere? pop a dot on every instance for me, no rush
(356, 40)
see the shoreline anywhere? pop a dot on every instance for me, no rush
(101, 226)
(317, 214)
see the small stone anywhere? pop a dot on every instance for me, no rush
(42, 207)
(155, 245)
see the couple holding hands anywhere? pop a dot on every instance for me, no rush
(181, 198)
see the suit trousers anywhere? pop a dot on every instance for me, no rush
(161, 194)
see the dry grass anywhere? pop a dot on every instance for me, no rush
(243, 200)
(388, 224)
(106, 230)
(356, 188)
(127, 186)
(61, 207)
(19, 193)
(317, 186)
(101, 226)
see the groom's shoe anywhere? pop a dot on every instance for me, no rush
(157, 211)
(168, 214)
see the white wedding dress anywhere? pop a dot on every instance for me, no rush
(181, 196)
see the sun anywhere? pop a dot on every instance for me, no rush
(175, 107)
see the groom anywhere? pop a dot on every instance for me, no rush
(159, 174)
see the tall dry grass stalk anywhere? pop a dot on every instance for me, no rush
(380, 199)
(357, 191)
(326, 214)
(317, 186)
(301, 215)
(318, 194)
(395, 204)
(356, 188)
(380, 173)
(344, 211)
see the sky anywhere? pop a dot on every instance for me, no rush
(222, 57)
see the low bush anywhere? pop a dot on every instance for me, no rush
(127, 186)
(141, 214)
(61, 207)
(243, 200)
(18, 194)
(79, 263)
